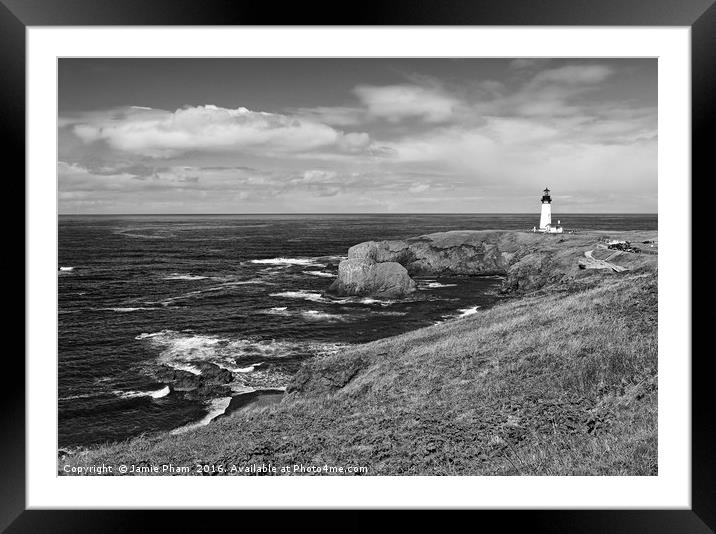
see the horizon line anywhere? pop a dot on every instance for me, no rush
(354, 213)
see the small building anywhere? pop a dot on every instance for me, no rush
(545, 219)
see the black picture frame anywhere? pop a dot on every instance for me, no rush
(16, 15)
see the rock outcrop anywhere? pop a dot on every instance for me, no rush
(212, 381)
(528, 260)
(366, 277)
(325, 375)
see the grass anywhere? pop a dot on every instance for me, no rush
(556, 383)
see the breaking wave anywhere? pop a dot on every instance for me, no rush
(304, 294)
(306, 262)
(249, 369)
(182, 350)
(437, 285)
(157, 394)
(317, 296)
(464, 312)
(311, 315)
(315, 315)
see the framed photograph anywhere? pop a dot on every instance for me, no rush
(433, 257)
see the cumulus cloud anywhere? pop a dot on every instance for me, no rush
(157, 133)
(396, 102)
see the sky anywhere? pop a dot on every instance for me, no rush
(363, 135)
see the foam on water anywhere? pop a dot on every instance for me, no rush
(464, 312)
(372, 300)
(142, 236)
(315, 315)
(304, 294)
(226, 286)
(215, 407)
(239, 388)
(282, 311)
(160, 393)
(310, 315)
(134, 232)
(322, 274)
(247, 282)
(437, 285)
(183, 367)
(153, 334)
(249, 369)
(157, 394)
(306, 262)
(317, 296)
(181, 350)
(185, 277)
(81, 396)
(127, 310)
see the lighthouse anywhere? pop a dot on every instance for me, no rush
(545, 219)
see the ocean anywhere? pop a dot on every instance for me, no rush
(244, 292)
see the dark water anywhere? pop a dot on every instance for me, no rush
(243, 292)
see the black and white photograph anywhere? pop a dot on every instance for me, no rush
(357, 266)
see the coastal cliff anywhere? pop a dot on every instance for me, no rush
(528, 260)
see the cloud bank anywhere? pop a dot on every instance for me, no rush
(422, 144)
(157, 133)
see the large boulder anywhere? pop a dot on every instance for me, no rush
(211, 381)
(326, 375)
(365, 277)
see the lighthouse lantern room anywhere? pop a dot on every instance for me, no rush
(545, 220)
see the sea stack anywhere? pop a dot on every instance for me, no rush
(366, 277)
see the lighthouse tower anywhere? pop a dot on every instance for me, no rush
(545, 219)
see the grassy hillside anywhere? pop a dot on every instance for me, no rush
(559, 382)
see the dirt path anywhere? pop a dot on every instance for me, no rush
(593, 263)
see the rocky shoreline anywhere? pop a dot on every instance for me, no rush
(529, 261)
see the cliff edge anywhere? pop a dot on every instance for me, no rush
(529, 261)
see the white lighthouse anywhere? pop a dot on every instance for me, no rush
(545, 219)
